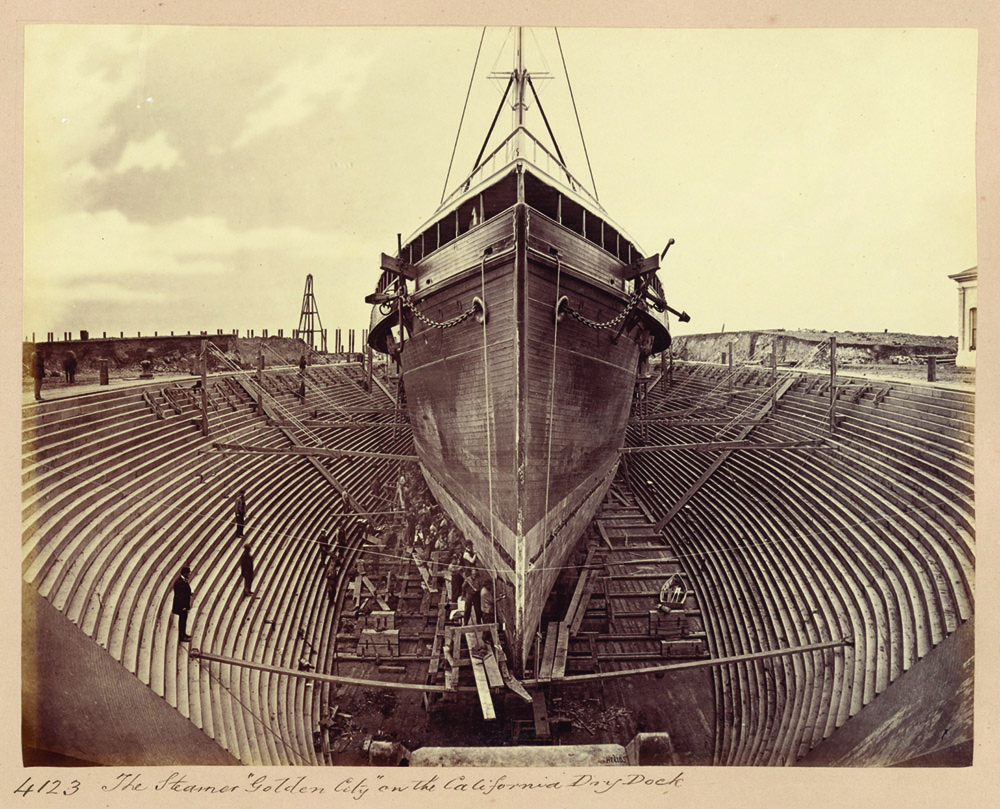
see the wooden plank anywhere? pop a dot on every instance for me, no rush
(371, 587)
(493, 674)
(424, 574)
(619, 497)
(581, 610)
(321, 452)
(476, 640)
(641, 266)
(562, 651)
(604, 534)
(549, 653)
(482, 683)
(509, 680)
(586, 576)
(574, 604)
(398, 266)
(438, 643)
(692, 490)
(541, 715)
(475, 629)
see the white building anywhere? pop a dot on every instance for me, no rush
(968, 316)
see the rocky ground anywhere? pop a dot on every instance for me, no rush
(881, 355)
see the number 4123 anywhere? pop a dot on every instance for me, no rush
(47, 788)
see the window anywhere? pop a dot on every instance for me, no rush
(972, 328)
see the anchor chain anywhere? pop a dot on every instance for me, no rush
(446, 324)
(563, 306)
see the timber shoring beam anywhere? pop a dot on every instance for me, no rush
(574, 678)
(296, 448)
(324, 678)
(661, 524)
(673, 421)
(697, 664)
(339, 425)
(671, 415)
(321, 452)
(729, 446)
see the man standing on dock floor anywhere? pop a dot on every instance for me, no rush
(38, 370)
(182, 602)
(246, 570)
(241, 511)
(69, 367)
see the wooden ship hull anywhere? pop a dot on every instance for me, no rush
(517, 415)
(519, 316)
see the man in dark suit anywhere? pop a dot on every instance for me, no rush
(69, 367)
(38, 370)
(246, 570)
(182, 602)
(240, 511)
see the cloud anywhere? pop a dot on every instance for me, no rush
(153, 153)
(78, 267)
(105, 244)
(297, 91)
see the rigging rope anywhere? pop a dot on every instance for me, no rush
(320, 392)
(489, 436)
(586, 154)
(552, 392)
(462, 119)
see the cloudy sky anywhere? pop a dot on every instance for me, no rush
(188, 178)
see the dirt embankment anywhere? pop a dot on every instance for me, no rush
(169, 354)
(853, 348)
(874, 354)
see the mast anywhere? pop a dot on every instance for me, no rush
(519, 79)
(519, 73)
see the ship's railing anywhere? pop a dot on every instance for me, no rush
(511, 148)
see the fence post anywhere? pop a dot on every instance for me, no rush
(932, 369)
(833, 383)
(204, 388)
(371, 359)
(774, 374)
(730, 369)
(260, 381)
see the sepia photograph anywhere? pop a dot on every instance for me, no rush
(589, 405)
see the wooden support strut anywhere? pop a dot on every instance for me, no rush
(482, 683)
(323, 452)
(661, 524)
(691, 664)
(712, 446)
